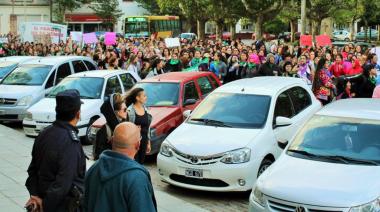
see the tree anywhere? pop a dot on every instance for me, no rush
(60, 7)
(150, 5)
(349, 12)
(319, 10)
(108, 11)
(261, 11)
(290, 14)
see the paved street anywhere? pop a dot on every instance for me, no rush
(15, 150)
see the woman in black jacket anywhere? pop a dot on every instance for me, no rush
(368, 82)
(115, 111)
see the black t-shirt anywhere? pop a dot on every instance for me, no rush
(143, 122)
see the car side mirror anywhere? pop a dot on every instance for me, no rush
(283, 121)
(190, 102)
(282, 144)
(186, 113)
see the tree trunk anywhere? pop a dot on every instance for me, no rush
(378, 34)
(365, 30)
(352, 29)
(259, 27)
(303, 17)
(233, 30)
(316, 27)
(201, 28)
(292, 30)
(219, 30)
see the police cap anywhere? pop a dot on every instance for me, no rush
(68, 100)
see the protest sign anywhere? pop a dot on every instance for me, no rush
(172, 42)
(90, 38)
(306, 40)
(42, 32)
(3, 40)
(323, 40)
(110, 38)
(76, 36)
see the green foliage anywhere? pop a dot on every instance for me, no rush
(107, 10)
(275, 26)
(60, 7)
(150, 5)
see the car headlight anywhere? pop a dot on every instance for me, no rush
(29, 116)
(152, 133)
(258, 197)
(373, 206)
(24, 101)
(166, 150)
(237, 156)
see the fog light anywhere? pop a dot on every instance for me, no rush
(241, 182)
(160, 172)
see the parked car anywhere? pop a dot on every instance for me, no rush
(30, 81)
(93, 86)
(8, 64)
(333, 163)
(231, 137)
(370, 32)
(341, 35)
(169, 95)
(188, 36)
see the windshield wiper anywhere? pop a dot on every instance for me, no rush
(212, 122)
(302, 152)
(347, 160)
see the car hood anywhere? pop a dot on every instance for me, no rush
(201, 140)
(18, 91)
(160, 113)
(44, 110)
(320, 183)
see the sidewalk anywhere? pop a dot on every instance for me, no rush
(15, 156)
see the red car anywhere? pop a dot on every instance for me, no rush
(169, 96)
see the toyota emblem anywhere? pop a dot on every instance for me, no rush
(194, 160)
(300, 209)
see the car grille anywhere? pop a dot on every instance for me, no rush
(283, 206)
(5, 101)
(196, 160)
(199, 182)
(9, 117)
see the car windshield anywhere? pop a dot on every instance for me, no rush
(160, 94)
(28, 75)
(6, 67)
(339, 139)
(88, 87)
(186, 35)
(233, 110)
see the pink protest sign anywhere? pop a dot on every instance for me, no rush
(110, 38)
(323, 40)
(306, 40)
(90, 38)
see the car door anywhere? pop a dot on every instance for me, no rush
(90, 66)
(284, 108)
(127, 81)
(190, 92)
(63, 71)
(302, 104)
(79, 66)
(205, 86)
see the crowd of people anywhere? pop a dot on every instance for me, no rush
(331, 72)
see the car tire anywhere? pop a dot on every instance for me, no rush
(264, 165)
(85, 140)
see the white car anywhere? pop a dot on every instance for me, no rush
(231, 137)
(93, 86)
(342, 35)
(31, 80)
(8, 64)
(333, 164)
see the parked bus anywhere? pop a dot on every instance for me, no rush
(145, 26)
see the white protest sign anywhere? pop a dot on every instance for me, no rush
(76, 36)
(41, 32)
(172, 42)
(4, 40)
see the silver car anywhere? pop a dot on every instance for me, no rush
(30, 81)
(8, 64)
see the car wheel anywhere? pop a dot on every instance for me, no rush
(264, 166)
(85, 139)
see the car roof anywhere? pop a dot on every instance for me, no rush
(261, 85)
(353, 108)
(99, 73)
(18, 59)
(176, 77)
(52, 60)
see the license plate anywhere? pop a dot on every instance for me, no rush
(194, 173)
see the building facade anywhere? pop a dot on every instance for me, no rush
(15, 12)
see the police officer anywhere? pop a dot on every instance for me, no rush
(58, 166)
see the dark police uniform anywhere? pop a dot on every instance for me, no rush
(58, 165)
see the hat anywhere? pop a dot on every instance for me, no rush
(68, 100)
(253, 58)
